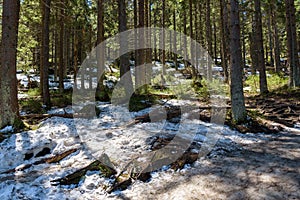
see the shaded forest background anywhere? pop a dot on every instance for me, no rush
(55, 36)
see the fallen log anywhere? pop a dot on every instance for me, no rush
(164, 96)
(59, 157)
(277, 124)
(42, 116)
(171, 113)
(86, 112)
(101, 165)
(52, 159)
(120, 185)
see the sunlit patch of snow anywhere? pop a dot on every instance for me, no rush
(60, 135)
(66, 110)
(249, 88)
(217, 69)
(7, 129)
(22, 96)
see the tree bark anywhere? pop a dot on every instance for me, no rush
(215, 56)
(175, 40)
(163, 45)
(270, 37)
(292, 43)
(148, 58)
(124, 59)
(192, 49)
(276, 43)
(236, 87)
(185, 34)
(61, 48)
(56, 47)
(260, 48)
(140, 70)
(224, 38)
(100, 93)
(209, 39)
(135, 21)
(8, 81)
(253, 52)
(45, 52)
(243, 37)
(196, 38)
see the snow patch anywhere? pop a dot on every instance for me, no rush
(7, 129)
(60, 134)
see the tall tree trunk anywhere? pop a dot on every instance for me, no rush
(163, 37)
(45, 52)
(224, 38)
(91, 75)
(209, 38)
(201, 35)
(67, 45)
(292, 43)
(56, 42)
(83, 71)
(260, 48)
(150, 32)
(236, 86)
(9, 108)
(135, 10)
(266, 52)
(201, 24)
(185, 34)
(192, 50)
(215, 39)
(155, 41)
(124, 59)
(175, 40)
(253, 51)
(196, 37)
(276, 44)
(61, 48)
(75, 56)
(270, 36)
(101, 93)
(53, 51)
(148, 58)
(146, 24)
(140, 70)
(243, 39)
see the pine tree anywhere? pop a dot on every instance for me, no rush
(236, 83)
(9, 108)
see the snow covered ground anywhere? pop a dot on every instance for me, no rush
(60, 134)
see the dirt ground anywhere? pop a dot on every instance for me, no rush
(282, 106)
(261, 169)
(264, 170)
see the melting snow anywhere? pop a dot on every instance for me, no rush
(60, 134)
(7, 129)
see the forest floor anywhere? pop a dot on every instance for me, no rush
(282, 106)
(266, 169)
(256, 161)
